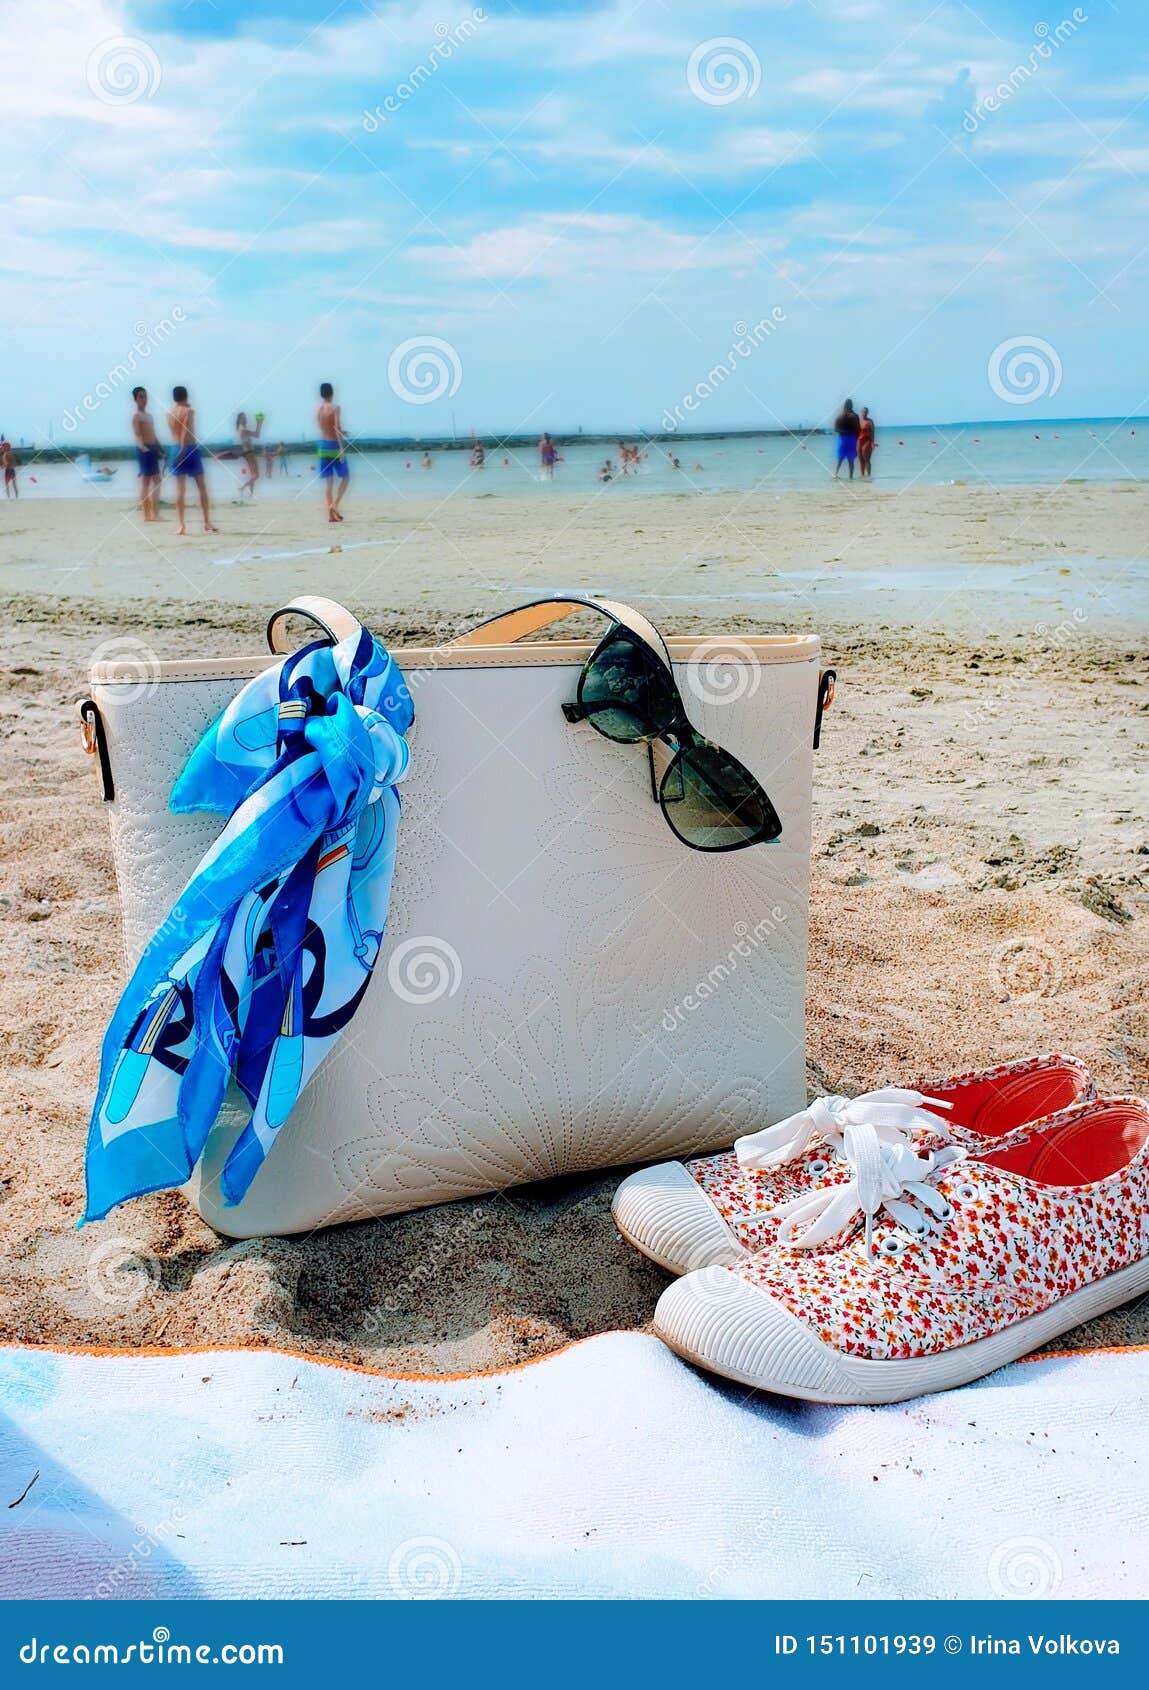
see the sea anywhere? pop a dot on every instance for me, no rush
(997, 454)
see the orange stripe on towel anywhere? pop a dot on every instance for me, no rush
(160, 1351)
(156, 1351)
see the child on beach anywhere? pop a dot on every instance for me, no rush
(8, 464)
(188, 459)
(149, 456)
(332, 451)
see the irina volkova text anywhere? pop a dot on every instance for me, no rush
(922, 1643)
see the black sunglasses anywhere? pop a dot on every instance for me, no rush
(628, 693)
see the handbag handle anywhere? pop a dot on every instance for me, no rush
(512, 625)
(330, 618)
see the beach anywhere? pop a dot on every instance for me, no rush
(980, 851)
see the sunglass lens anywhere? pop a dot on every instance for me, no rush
(713, 802)
(627, 693)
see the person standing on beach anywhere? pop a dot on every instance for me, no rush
(547, 456)
(332, 450)
(247, 437)
(866, 442)
(188, 459)
(846, 426)
(8, 464)
(149, 456)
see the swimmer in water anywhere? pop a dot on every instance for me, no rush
(846, 425)
(866, 442)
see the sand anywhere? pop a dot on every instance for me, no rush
(979, 872)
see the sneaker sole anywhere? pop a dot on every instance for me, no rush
(666, 1215)
(722, 1323)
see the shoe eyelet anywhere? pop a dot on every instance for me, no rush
(946, 1214)
(966, 1191)
(891, 1246)
(819, 1165)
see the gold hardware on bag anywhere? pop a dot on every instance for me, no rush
(95, 743)
(827, 686)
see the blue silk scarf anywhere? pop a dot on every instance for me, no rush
(267, 952)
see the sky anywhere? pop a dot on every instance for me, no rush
(524, 215)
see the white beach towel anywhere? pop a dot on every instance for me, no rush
(609, 1470)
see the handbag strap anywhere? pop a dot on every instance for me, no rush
(330, 618)
(512, 625)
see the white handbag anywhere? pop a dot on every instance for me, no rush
(563, 984)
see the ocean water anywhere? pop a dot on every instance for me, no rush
(976, 455)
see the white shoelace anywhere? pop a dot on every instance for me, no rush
(884, 1174)
(893, 1112)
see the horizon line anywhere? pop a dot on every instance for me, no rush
(445, 442)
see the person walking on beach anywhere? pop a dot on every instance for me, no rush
(188, 459)
(846, 426)
(866, 442)
(247, 437)
(149, 456)
(547, 456)
(332, 450)
(8, 464)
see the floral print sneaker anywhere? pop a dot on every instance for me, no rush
(718, 1209)
(921, 1272)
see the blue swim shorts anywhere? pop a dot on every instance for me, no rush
(847, 448)
(188, 461)
(148, 459)
(332, 462)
